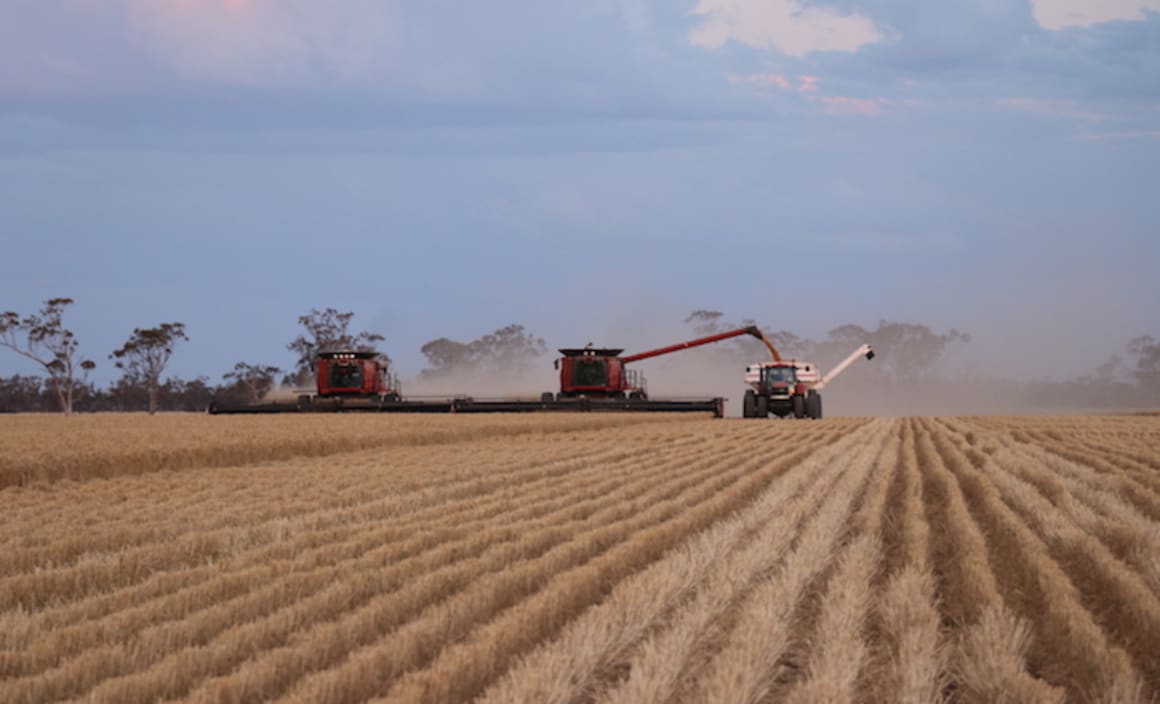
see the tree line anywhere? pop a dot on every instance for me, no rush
(908, 351)
(43, 338)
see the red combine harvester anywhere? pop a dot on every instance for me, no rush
(353, 375)
(595, 372)
(591, 379)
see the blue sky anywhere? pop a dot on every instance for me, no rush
(591, 170)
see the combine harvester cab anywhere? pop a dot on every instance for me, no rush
(345, 376)
(596, 372)
(790, 387)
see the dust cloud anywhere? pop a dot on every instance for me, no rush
(480, 384)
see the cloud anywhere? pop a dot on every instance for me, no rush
(250, 42)
(789, 26)
(1061, 14)
(845, 105)
(1060, 108)
(809, 88)
(802, 84)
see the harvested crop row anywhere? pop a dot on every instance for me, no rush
(746, 664)
(321, 531)
(159, 544)
(1127, 534)
(301, 653)
(909, 662)
(987, 663)
(350, 550)
(832, 647)
(463, 669)
(109, 445)
(713, 566)
(641, 477)
(911, 560)
(1068, 646)
(323, 579)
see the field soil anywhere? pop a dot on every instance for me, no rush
(579, 558)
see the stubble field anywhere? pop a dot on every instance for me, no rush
(579, 558)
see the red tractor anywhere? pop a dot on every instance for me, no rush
(790, 387)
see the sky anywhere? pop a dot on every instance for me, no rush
(592, 170)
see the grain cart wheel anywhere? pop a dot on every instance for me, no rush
(814, 405)
(749, 405)
(762, 406)
(799, 406)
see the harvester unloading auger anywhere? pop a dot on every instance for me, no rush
(591, 379)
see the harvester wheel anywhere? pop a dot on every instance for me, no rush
(762, 407)
(799, 406)
(749, 404)
(814, 405)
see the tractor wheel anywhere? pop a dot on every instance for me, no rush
(762, 406)
(799, 406)
(814, 405)
(749, 404)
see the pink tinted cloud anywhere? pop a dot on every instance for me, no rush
(810, 88)
(803, 84)
(794, 27)
(1061, 108)
(845, 105)
(1061, 14)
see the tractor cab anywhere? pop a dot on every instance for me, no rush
(780, 376)
(779, 381)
